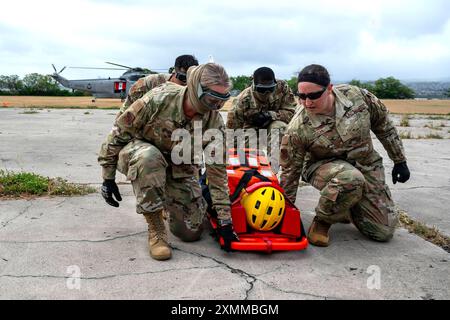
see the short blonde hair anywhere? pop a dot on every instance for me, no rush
(214, 74)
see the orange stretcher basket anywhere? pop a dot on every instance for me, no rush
(247, 172)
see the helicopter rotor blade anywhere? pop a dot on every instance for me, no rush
(62, 70)
(97, 68)
(54, 68)
(115, 64)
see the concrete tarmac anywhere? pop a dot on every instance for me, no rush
(81, 248)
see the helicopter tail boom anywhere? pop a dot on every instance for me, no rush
(58, 78)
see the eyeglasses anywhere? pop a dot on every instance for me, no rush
(263, 88)
(212, 99)
(181, 76)
(312, 95)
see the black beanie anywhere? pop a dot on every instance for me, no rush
(263, 74)
(314, 73)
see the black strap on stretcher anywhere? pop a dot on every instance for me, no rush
(245, 179)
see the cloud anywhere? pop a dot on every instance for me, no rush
(354, 39)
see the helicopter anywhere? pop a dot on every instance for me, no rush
(108, 87)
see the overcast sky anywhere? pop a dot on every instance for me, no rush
(407, 39)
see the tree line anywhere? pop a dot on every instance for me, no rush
(384, 88)
(33, 84)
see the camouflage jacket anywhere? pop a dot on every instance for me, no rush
(312, 140)
(281, 105)
(144, 85)
(154, 118)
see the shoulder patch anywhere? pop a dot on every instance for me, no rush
(343, 88)
(128, 117)
(137, 106)
(352, 93)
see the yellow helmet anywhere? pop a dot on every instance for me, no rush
(264, 208)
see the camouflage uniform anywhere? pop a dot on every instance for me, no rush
(336, 155)
(140, 146)
(281, 106)
(144, 85)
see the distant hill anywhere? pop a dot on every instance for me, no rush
(430, 90)
(423, 89)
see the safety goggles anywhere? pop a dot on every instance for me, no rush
(181, 76)
(312, 95)
(212, 99)
(263, 88)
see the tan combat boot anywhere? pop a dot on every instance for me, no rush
(157, 236)
(318, 233)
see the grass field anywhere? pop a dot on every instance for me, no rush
(58, 102)
(418, 106)
(395, 106)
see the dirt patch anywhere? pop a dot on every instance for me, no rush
(394, 106)
(418, 106)
(58, 102)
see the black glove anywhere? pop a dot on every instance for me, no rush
(400, 173)
(109, 188)
(262, 119)
(228, 235)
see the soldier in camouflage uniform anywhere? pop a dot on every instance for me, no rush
(144, 85)
(267, 104)
(140, 147)
(328, 143)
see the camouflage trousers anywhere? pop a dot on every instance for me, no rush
(158, 185)
(356, 192)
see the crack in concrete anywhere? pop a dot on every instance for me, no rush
(249, 278)
(76, 240)
(4, 224)
(252, 279)
(423, 187)
(271, 271)
(298, 292)
(104, 277)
